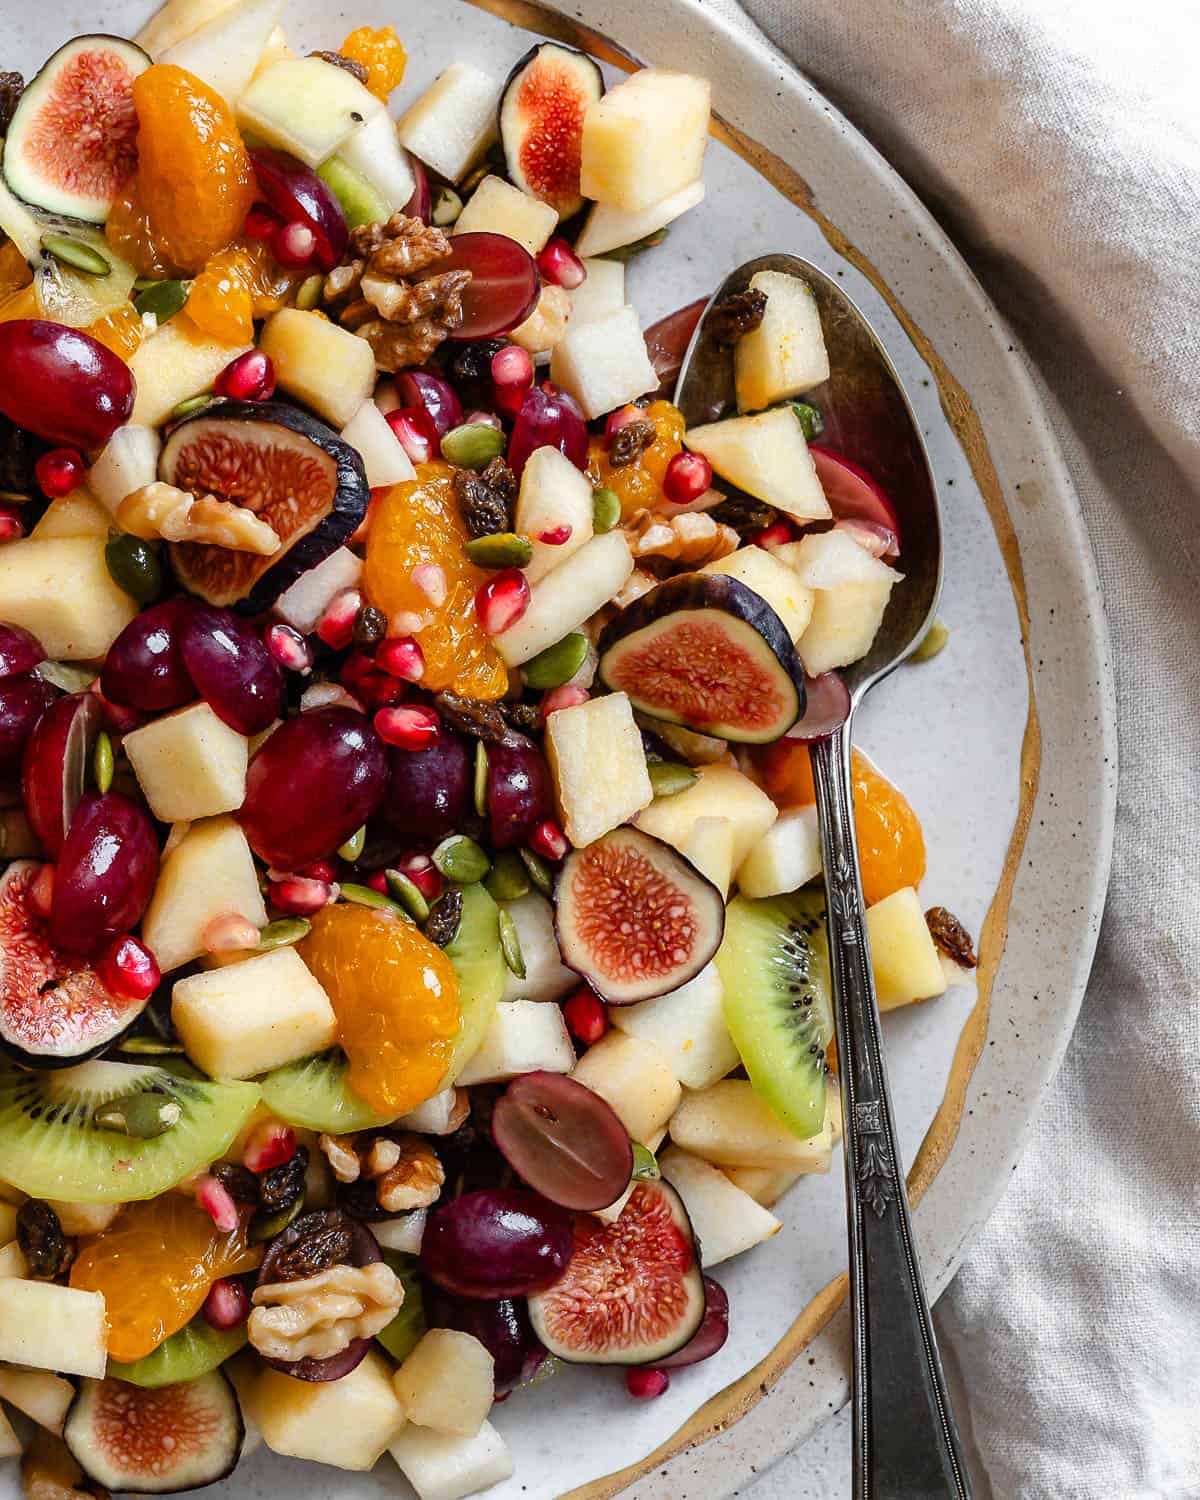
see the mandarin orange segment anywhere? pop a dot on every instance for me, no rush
(419, 525)
(395, 996)
(20, 304)
(154, 1267)
(382, 53)
(639, 485)
(14, 270)
(121, 330)
(237, 285)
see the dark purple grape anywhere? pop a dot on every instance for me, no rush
(144, 668)
(711, 1334)
(314, 782)
(58, 762)
(429, 790)
(519, 792)
(563, 1140)
(105, 875)
(504, 285)
(23, 701)
(62, 384)
(435, 394)
(19, 651)
(298, 195)
(548, 418)
(502, 1327)
(232, 670)
(499, 1243)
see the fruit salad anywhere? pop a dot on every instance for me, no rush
(413, 970)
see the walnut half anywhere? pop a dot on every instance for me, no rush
(322, 1314)
(407, 1172)
(161, 510)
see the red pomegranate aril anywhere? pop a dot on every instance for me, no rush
(560, 266)
(130, 970)
(261, 222)
(229, 933)
(317, 869)
(12, 528)
(59, 472)
(687, 477)
(294, 245)
(381, 690)
(423, 873)
(401, 657)
(566, 696)
(586, 1017)
(557, 536)
(621, 418)
(377, 881)
(512, 376)
(289, 648)
(548, 840)
(336, 625)
(302, 201)
(409, 425)
(217, 1202)
(409, 727)
(646, 1385)
(249, 377)
(502, 600)
(227, 1304)
(778, 534)
(269, 1145)
(41, 892)
(483, 419)
(422, 390)
(299, 898)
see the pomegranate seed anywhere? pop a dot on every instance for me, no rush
(217, 1202)
(548, 840)
(512, 376)
(12, 528)
(336, 625)
(586, 1017)
(502, 600)
(486, 418)
(560, 266)
(319, 869)
(566, 696)
(293, 244)
(687, 477)
(402, 658)
(41, 892)
(130, 970)
(261, 222)
(556, 536)
(381, 690)
(377, 881)
(269, 1145)
(249, 377)
(413, 438)
(775, 535)
(423, 873)
(328, 695)
(289, 648)
(619, 419)
(227, 1304)
(408, 728)
(646, 1385)
(229, 933)
(431, 580)
(298, 897)
(59, 472)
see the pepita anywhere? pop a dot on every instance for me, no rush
(193, 403)
(509, 879)
(363, 895)
(164, 299)
(503, 549)
(668, 778)
(353, 846)
(408, 893)
(447, 206)
(472, 445)
(308, 294)
(264, 1226)
(606, 509)
(481, 778)
(539, 870)
(558, 663)
(76, 254)
(133, 566)
(282, 932)
(645, 1164)
(150, 1046)
(812, 423)
(65, 675)
(460, 859)
(510, 945)
(103, 763)
(140, 1116)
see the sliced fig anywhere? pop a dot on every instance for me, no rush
(72, 143)
(632, 1293)
(55, 1010)
(58, 758)
(541, 122)
(156, 1440)
(291, 470)
(634, 917)
(705, 651)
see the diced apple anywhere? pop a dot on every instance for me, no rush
(730, 1126)
(688, 1028)
(645, 139)
(375, 152)
(851, 593)
(600, 733)
(189, 764)
(453, 122)
(43, 1397)
(346, 1422)
(771, 580)
(602, 291)
(306, 106)
(127, 461)
(718, 792)
(306, 601)
(225, 51)
(10, 1443)
(174, 364)
(442, 1467)
(402, 1234)
(60, 590)
(546, 976)
(565, 598)
(525, 1036)
(277, 49)
(208, 874)
(76, 514)
(635, 1077)
(51, 1327)
(379, 448)
(726, 1220)
(496, 207)
(709, 846)
(438, 1115)
(176, 19)
(786, 857)
(554, 494)
(785, 355)
(319, 362)
(766, 1185)
(12, 1261)
(607, 228)
(447, 1383)
(604, 364)
(904, 957)
(766, 456)
(84, 1218)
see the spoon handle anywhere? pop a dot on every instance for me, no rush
(906, 1444)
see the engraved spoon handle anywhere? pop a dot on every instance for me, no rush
(906, 1444)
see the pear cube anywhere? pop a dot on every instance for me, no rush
(440, 1466)
(346, 1423)
(904, 957)
(172, 365)
(687, 1026)
(127, 461)
(306, 601)
(607, 228)
(546, 976)
(730, 1126)
(447, 1383)
(375, 152)
(51, 1327)
(717, 792)
(60, 590)
(453, 122)
(319, 362)
(189, 764)
(785, 355)
(225, 51)
(43, 1397)
(604, 364)
(76, 514)
(645, 139)
(851, 593)
(725, 1219)
(568, 596)
(766, 456)
(524, 1036)
(635, 1077)
(384, 460)
(771, 580)
(599, 766)
(496, 207)
(306, 106)
(554, 494)
(709, 846)
(209, 873)
(602, 291)
(786, 857)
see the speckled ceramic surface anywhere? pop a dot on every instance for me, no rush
(1004, 743)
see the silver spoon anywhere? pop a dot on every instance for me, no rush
(906, 1444)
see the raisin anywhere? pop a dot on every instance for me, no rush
(312, 1243)
(526, 717)
(735, 315)
(445, 915)
(470, 716)
(484, 509)
(283, 1185)
(743, 514)
(470, 368)
(358, 1199)
(951, 937)
(370, 627)
(19, 453)
(239, 1182)
(12, 86)
(499, 477)
(42, 1241)
(348, 64)
(630, 442)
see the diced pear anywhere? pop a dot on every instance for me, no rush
(447, 1383)
(43, 1397)
(635, 1077)
(176, 19)
(76, 514)
(402, 1234)
(604, 364)
(375, 152)
(600, 733)
(317, 361)
(524, 1036)
(84, 1218)
(718, 792)
(771, 580)
(725, 1219)
(904, 957)
(709, 846)
(601, 291)
(553, 493)
(766, 1185)
(546, 976)
(225, 51)
(51, 1327)
(306, 106)
(60, 590)
(347, 1422)
(189, 764)
(567, 597)
(851, 592)
(442, 1467)
(645, 139)
(208, 874)
(785, 355)
(25, 231)
(437, 1114)
(687, 1026)
(607, 228)
(766, 456)
(786, 857)
(377, 445)
(10, 1443)
(174, 364)
(729, 1125)
(306, 601)
(12, 1261)
(453, 122)
(496, 207)
(127, 461)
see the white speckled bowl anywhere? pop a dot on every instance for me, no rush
(1005, 743)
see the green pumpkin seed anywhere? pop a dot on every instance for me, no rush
(558, 663)
(133, 565)
(192, 404)
(472, 445)
(308, 294)
(503, 549)
(283, 932)
(606, 509)
(408, 893)
(76, 254)
(447, 206)
(481, 778)
(353, 847)
(461, 859)
(164, 299)
(645, 1164)
(103, 763)
(812, 423)
(540, 872)
(150, 1046)
(363, 895)
(508, 880)
(668, 778)
(510, 945)
(141, 1116)
(635, 247)
(264, 1226)
(934, 643)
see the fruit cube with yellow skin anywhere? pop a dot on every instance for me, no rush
(43, 1397)
(786, 857)
(447, 1382)
(730, 1126)
(709, 847)
(60, 590)
(174, 364)
(635, 1077)
(645, 139)
(904, 957)
(76, 514)
(247, 1018)
(785, 355)
(688, 1027)
(320, 363)
(718, 792)
(599, 766)
(209, 873)
(347, 1422)
(50, 1327)
(189, 764)
(496, 207)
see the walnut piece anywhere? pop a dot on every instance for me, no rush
(547, 323)
(692, 538)
(342, 1157)
(414, 1180)
(161, 510)
(320, 1315)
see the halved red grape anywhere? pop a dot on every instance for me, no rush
(504, 285)
(233, 671)
(563, 1140)
(62, 384)
(501, 1242)
(711, 1334)
(145, 668)
(297, 194)
(105, 875)
(519, 792)
(852, 493)
(502, 1327)
(19, 651)
(826, 708)
(418, 206)
(667, 340)
(428, 790)
(422, 388)
(57, 761)
(23, 701)
(548, 418)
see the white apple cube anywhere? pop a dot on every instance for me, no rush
(127, 461)
(771, 580)
(225, 51)
(851, 593)
(209, 873)
(608, 228)
(496, 207)
(442, 1467)
(729, 1125)
(727, 1221)
(645, 139)
(377, 445)
(709, 847)
(766, 456)
(453, 122)
(554, 494)
(602, 291)
(43, 1397)
(60, 590)
(688, 1028)
(76, 514)
(604, 364)
(12, 1261)
(172, 365)
(302, 605)
(402, 1234)
(346, 1423)
(766, 1185)
(447, 1383)
(440, 1114)
(568, 596)
(785, 355)
(718, 792)
(53, 1327)
(306, 106)
(597, 736)
(189, 764)
(786, 857)
(546, 976)
(317, 361)
(636, 1079)
(904, 957)
(374, 151)
(525, 1036)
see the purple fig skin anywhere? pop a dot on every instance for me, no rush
(710, 1337)
(105, 875)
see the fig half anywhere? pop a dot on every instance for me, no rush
(291, 470)
(705, 651)
(541, 122)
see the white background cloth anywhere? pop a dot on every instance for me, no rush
(1059, 143)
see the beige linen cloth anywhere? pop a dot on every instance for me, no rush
(1058, 141)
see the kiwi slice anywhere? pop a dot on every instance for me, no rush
(479, 963)
(774, 966)
(193, 1350)
(402, 1335)
(52, 1147)
(315, 1094)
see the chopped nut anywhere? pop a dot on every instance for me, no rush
(382, 1157)
(161, 510)
(343, 280)
(398, 345)
(737, 314)
(951, 937)
(547, 323)
(630, 442)
(635, 586)
(414, 1181)
(402, 302)
(693, 538)
(322, 1314)
(339, 1152)
(400, 247)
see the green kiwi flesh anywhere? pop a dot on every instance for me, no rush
(192, 1351)
(404, 1332)
(315, 1094)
